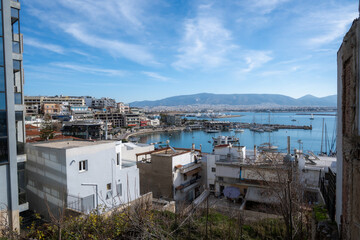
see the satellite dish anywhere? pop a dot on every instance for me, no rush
(231, 192)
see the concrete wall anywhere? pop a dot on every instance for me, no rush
(348, 140)
(46, 179)
(54, 174)
(157, 176)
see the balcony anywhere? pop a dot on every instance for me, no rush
(185, 187)
(190, 167)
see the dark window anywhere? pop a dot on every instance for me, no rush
(3, 150)
(16, 47)
(212, 187)
(118, 159)
(17, 97)
(3, 124)
(16, 65)
(1, 52)
(83, 166)
(213, 169)
(185, 177)
(2, 79)
(108, 186)
(221, 179)
(2, 101)
(119, 189)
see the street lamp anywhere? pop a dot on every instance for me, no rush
(97, 199)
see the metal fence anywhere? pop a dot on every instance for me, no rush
(328, 191)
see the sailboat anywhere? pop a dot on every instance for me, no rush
(312, 117)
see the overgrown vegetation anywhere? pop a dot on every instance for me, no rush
(144, 223)
(320, 213)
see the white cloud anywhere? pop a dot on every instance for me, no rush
(46, 46)
(156, 76)
(133, 52)
(90, 70)
(263, 6)
(326, 25)
(206, 43)
(255, 59)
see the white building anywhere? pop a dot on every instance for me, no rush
(80, 175)
(129, 151)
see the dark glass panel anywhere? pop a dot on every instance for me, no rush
(2, 80)
(16, 47)
(16, 65)
(1, 52)
(2, 101)
(17, 98)
(18, 116)
(3, 124)
(4, 151)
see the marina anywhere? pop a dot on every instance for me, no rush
(305, 138)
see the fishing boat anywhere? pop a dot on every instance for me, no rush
(239, 130)
(267, 147)
(225, 140)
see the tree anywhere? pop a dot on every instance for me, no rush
(47, 128)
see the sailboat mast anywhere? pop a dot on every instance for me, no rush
(322, 137)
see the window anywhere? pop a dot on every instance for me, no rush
(83, 165)
(213, 169)
(212, 187)
(118, 159)
(119, 189)
(221, 179)
(185, 177)
(108, 186)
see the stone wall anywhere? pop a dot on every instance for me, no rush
(348, 141)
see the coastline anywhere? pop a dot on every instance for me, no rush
(149, 131)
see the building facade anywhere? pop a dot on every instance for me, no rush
(171, 173)
(80, 175)
(12, 130)
(348, 135)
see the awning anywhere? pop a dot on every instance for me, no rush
(231, 192)
(261, 195)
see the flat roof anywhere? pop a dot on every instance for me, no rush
(70, 144)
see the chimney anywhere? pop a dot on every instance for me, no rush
(288, 145)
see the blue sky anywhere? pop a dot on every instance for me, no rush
(151, 49)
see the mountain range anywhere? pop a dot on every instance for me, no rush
(240, 100)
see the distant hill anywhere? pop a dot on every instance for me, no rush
(240, 100)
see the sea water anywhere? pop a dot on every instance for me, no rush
(307, 140)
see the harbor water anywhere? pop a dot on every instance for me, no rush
(307, 140)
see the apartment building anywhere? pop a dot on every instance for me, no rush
(99, 103)
(171, 173)
(38, 102)
(123, 108)
(115, 118)
(51, 108)
(12, 129)
(348, 135)
(80, 175)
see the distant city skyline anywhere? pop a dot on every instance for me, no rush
(134, 50)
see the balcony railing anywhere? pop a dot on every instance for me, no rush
(189, 167)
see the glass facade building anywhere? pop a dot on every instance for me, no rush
(12, 129)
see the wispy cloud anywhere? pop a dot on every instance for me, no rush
(45, 46)
(255, 59)
(205, 43)
(327, 24)
(156, 76)
(133, 52)
(90, 69)
(263, 6)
